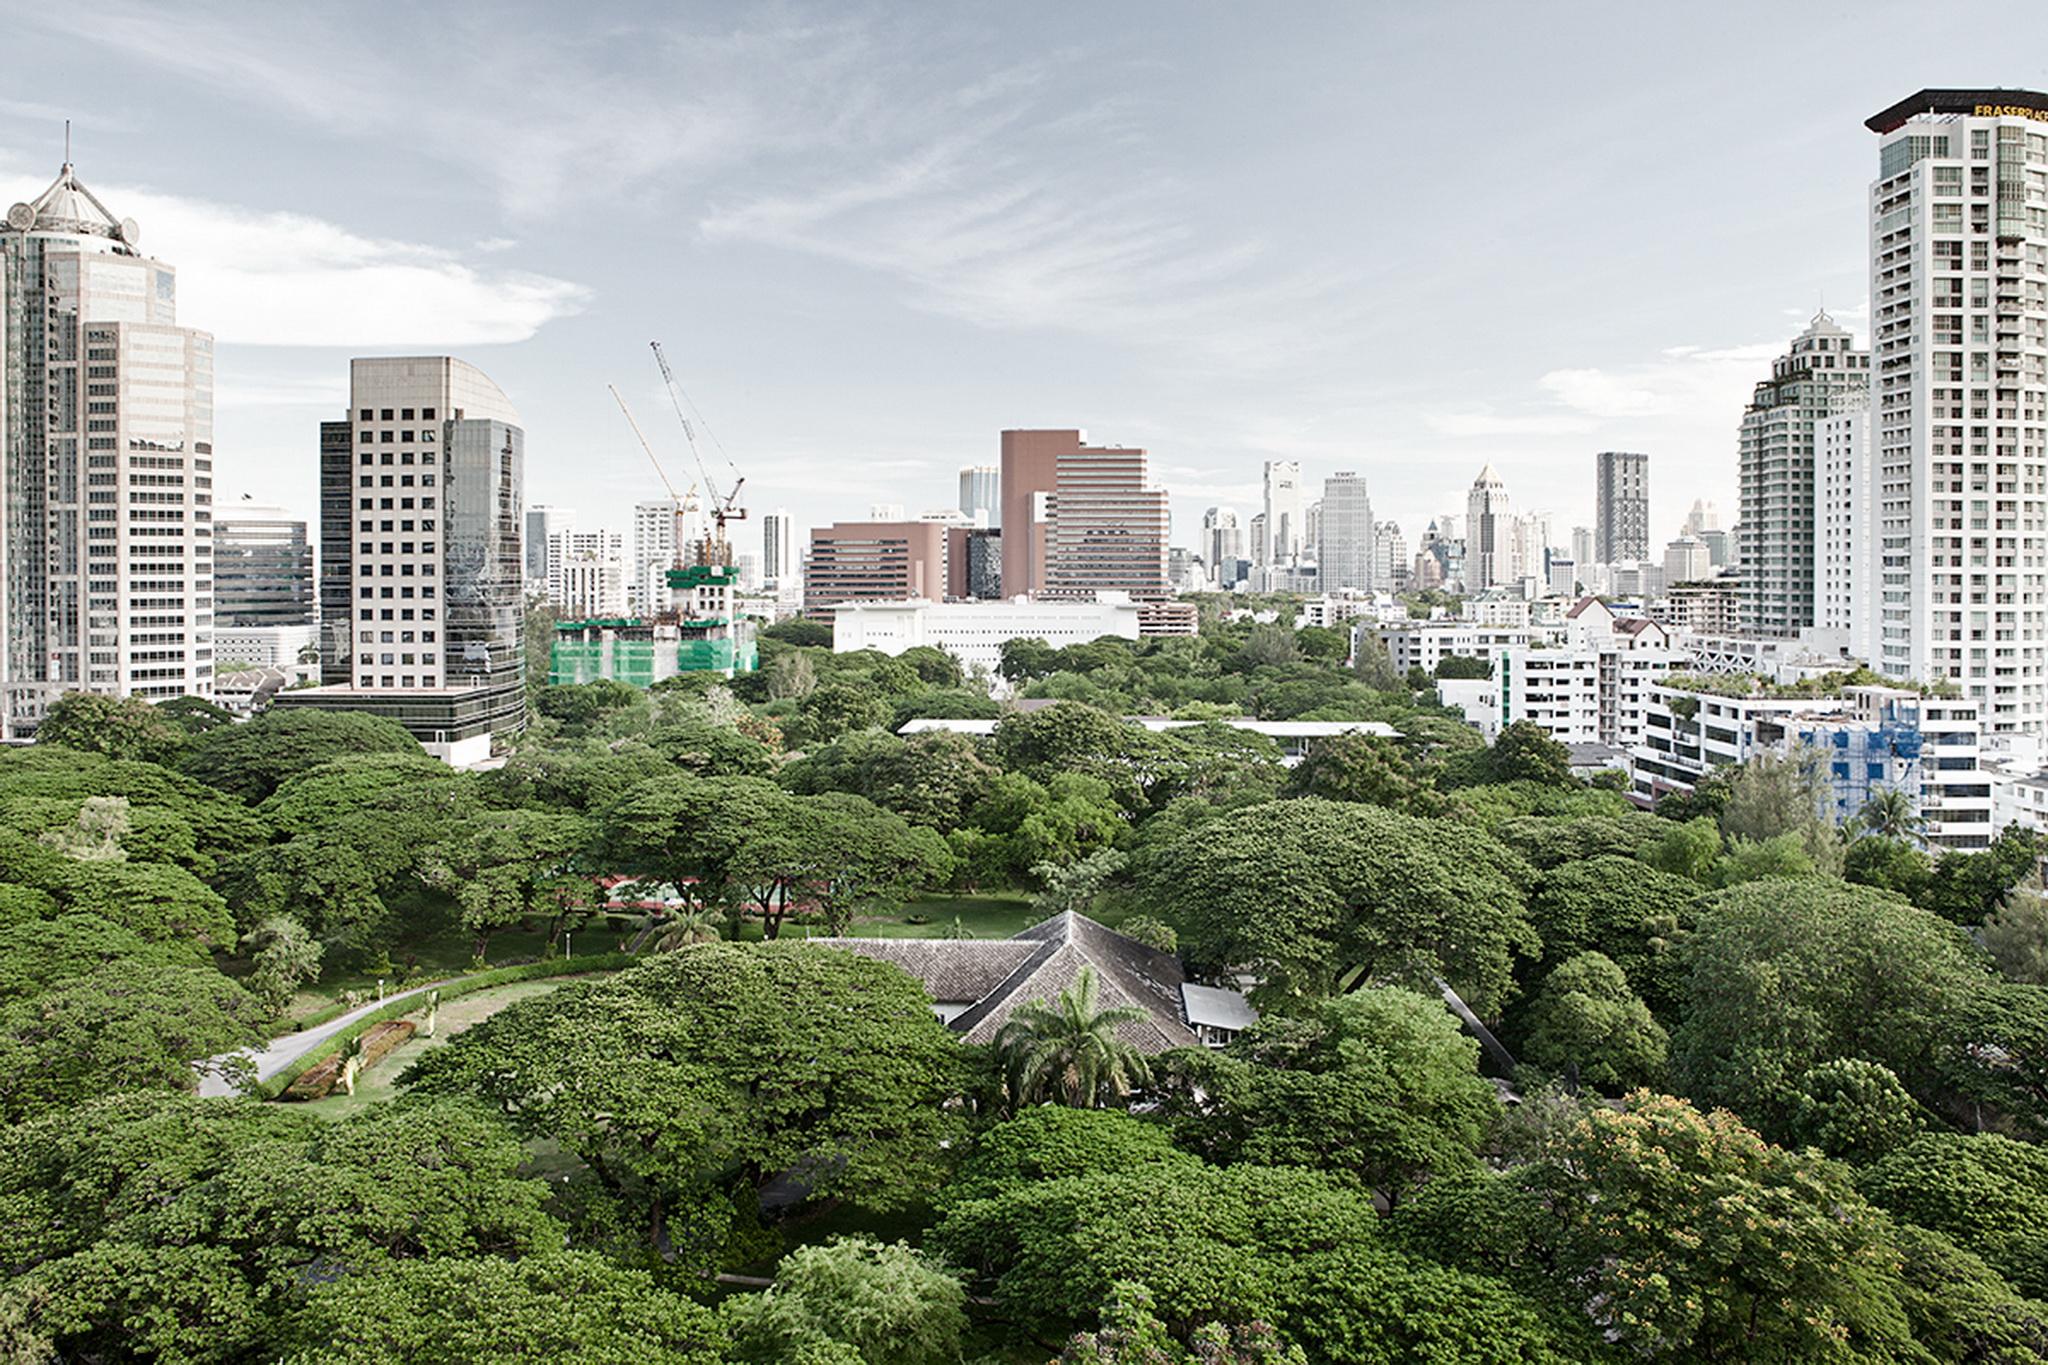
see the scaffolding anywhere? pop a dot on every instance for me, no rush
(701, 632)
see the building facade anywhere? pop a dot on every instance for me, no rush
(975, 632)
(1779, 468)
(1108, 529)
(874, 561)
(106, 465)
(421, 563)
(262, 568)
(981, 494)
(1959, 396)
(1621, 511)
(1284, 512)
(1489, 533)
(1345, 530)
(542, 522)
(1845, 567)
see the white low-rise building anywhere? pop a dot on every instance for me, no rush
(1866, 739)
(975, 632)
(1426, 644)
(293, 649)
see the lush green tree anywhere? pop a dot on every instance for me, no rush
(580, 705)
(833, 709)
(285, 958)
(568, 1306)
(1525, 752)
(1024, 659)
(1372, 663)
(1131, 1335)
(1690, 848)
(1785, 975)
(196, 715)
(1995, 1058)
(1054, 1142)
(930, 779)
(1854, 1110)
(934, 667)
(2016, 934)
(118, 727)
(38, 954)
(1073, 888)
(1019, 825)
(1961, 1309)
(1380, 1086)
(1891, 813)
(1965, 887)
(1773, 796)
(890, 1303)
(1266, 646)
(333, 883)
(1615, 906)
(1889, 865)
(1067, 1051)
(1547, 842)
(705, 746)
(1072, 739)
(686, 1084)
(255, 759)
(1364, 768)
(171, 819)
(1750, 860)
(1586, 1019)
(157, 900)
(1688, 1237)
(798, 630)
(585, 775)
(508, 867)
(123, 1026)
(1306, 893)
(1987, 1192)
(1463, 666)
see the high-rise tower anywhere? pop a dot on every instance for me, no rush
(1489, 533)
(106, 464)
(1285, 516)
(1344, 547)
(1621, 514)
(1779, 467)
(1959, 396)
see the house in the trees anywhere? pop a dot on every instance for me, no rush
(976, 984)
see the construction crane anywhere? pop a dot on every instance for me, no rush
(724, 507)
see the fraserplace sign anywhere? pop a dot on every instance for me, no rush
(2028, 104)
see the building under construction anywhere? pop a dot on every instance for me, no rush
(701, 632)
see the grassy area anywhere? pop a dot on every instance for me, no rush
(381, 1081)
(443, 955)
(996, 916)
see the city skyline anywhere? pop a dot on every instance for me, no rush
(1215, 333)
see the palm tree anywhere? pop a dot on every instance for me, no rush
(1892, 814)
(698, 924)
(1067, 1050)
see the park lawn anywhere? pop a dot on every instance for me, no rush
(1002, 915)
(380, 1082)
(444, 955)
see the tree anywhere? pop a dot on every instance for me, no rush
(568, 1306)
(1525, 752)
(1785, 975)
(1689, 849)
(2016, 934)
(890, 1303)
(691, 1081)
(95, 836)
(1131, 1335)
(934, 667)
(1853, 1110)
(1055, 1142)
(123, 1026)
(1074, 887)
(1463, 666)
(1987, 1192)
(1069, 739)
(1373, 665)
(1966, 887)
(118, 727)
(834, 708)
(1339, 892)
(1381, 1086)
(286, 957)
(508, 867)
(1891, 813)
(39, 954)
(1067, 1051)
(1773, 795)
(578, 706)
(1613, 905)
(255, 759)
(1267, 647)
(1588, 1020)
(799, 631)
(1688, 1236)
(930, 779)
(1364, 768)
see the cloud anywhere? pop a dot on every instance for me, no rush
(260, 278)
(1493, 424)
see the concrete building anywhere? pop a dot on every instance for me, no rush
(587, 573)
(542, 521)
(1845, 520)
(1686, 560)
(262, 568)
(974, 563)
(1345, 545)
(653, 555)
(1284, 513)
(106, 465)
(1389, 557)
(779, 553)
(975, 632)
(1621, 509)
(875, 561)
(1582, 545)
(1489, 533)
(421, 566)
(1779, 470)
(1702, 606)
(981, 494)
(1959, 397)
(1426, 644)
(1222, 545)
(1028, 466)
(1864, 739)
(1108, 529)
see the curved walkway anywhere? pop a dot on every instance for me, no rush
(279, 1053)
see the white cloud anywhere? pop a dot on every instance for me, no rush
(1492, 424)
(1598, 393)
(253, 277)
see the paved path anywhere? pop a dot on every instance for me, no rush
(279, 1053)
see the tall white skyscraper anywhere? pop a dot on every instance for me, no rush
(1845, 526)
(654, 554)
(1344, 554)
(1778, 468)
(981, 494)
(1582, 545)
(778, 551)
(1959, 402)
(1284, 512)
(1222, 544)
(587, 573)
(1389, 557)
(106, 465)
(1489, 533)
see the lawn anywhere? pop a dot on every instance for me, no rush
(995, 916)
(380, 1082)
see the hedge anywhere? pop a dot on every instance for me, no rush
(462, 985)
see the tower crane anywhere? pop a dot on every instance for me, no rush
(685, 503)
(724, 507)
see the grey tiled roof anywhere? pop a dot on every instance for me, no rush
(1037, 965)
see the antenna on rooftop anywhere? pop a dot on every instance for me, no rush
(67, 142)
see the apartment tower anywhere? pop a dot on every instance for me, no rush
(1621, 512)
(1779, 469)
(421, 570)
(1489, 533)
(1108, 527)
(106, 465)
(1959, 396)
(1345, 531)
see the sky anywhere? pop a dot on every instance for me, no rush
(1404, 241)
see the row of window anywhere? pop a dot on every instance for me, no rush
(403, 415)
